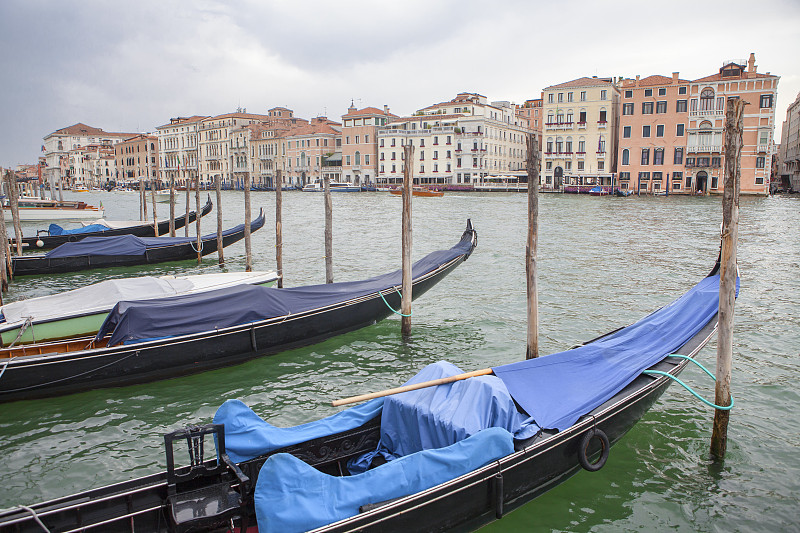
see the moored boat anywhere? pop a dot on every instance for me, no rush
(124, 250)
(82, 311)
(488, 457)
(335, 186)
(55, 235)
(36, 209)
(598, 191)
(420, 191)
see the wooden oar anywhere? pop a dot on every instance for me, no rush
(406, 388)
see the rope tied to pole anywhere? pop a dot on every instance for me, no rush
(687, 387)
(390, 307)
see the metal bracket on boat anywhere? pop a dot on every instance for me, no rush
(497, 487)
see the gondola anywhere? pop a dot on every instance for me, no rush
(48, 239)
(167, 337)
(124, 250)
(272, 479)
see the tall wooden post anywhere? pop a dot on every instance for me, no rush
(326, 180)
(153, 201)
(727, 273)
(248, 253)
(279, 227)
(188, 181)
(13, 202)
(5, 253)
(218, 187)
(197, 218)
(408, 186)
(172, 206)
(530, 249)
(60, 188)
(142, 213)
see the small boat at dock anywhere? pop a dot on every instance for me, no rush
(335, 186)
(420, 191)
(36, 209)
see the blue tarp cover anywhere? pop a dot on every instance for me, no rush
(55, 229)
(293, 496)
(436, 417)
(247, 436)
(207, 311)
(559, 388)
(125, 244)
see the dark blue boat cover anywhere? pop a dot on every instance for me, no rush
(292, 496)
(126, 244)
(55, 229)
(557, 389)
(141, 320)
(436, 417)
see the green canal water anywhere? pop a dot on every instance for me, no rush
(603, 263)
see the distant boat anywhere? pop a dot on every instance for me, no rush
(420, 191)
(82, 311)
(36, 209)
(598, 191)
(623, 193)
(335, 186)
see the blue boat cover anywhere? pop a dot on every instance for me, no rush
(247, 436)
(436, 417)
(55, 229)
(292, 496)
(141, 320)
(128, 244)
(557, 389)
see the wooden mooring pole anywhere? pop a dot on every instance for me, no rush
(13, 202)
(248, 252)
(172, 206)
(142, 213)
(188, 181)
(153, 201)
(279, 227)
(530, 249)
(328, 229)
(408, 187)
(218, 187)
(197, 219)
(727, 273)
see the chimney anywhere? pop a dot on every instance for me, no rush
(675, 77)
(385, 109)
(637, 81)
(751, 63)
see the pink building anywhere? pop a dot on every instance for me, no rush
(360, 143)
(312, 151)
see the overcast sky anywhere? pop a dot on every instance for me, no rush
(130, 66)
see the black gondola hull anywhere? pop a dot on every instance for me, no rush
(48, 375)
(36, 265)
(145, 230)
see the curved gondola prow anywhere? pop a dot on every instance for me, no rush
(472, 234)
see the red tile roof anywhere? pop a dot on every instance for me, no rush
(581, 82)
(368, 111)
(745, 76)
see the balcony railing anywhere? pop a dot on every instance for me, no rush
(763, 148)
(602, 123)
(582, 125)
(559, 125)
(706, 113)
(704, 148)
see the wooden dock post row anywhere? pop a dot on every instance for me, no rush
(727, 273)
(278, 228)
(408, 187)
(530, 249)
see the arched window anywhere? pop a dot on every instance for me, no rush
(626, 157)
(707, 99)
(568, 145)
(358, 158)
(559, 145)
(549, 145)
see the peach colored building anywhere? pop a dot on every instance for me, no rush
(360, 143)
(137, 158)
(218, 151)
(178, 149)
(580, 133)
(531, 112)
(652, 134)
(313, 151)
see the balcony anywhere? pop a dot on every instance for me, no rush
(763, 148)
(707, 113)
(580, 154)
(602, 123)
(582, 125)
(601, 153)
(559, 125)
(704, 148)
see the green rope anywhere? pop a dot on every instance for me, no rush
(390, 307)
(687, 387)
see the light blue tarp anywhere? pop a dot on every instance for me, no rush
(55, 229)
(247, 436)
(559, 388)
(292, 496)
(436, 417)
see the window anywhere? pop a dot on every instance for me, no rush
(347, 162)
(626, 156)
(628, 94)
(662, 91)
(422, 155)
(715, 161)
(603, 94)
(347, 140)
(657, 176)
(568, 145)
(580, 165)
(581, 146)
(421, 168)
(602, 116)
(647, 108)
(582, 117)
(721, 103)
(549, 146)
(680, 106)
(707, 100)
(550, 98)
(645, 131)
(567, 165)
(679, 131)
(624, 175)
(366, 139)
(626, 132)
(627, 109)
(678, 157)
(422, 142)
(765, 101)
(569, 97)
(601, 165)
(548, 165)
(689, 162)
(759, 180)
(682, 90)
(648, 92)
(601, 145)
(661, 107)
(583, 96)
(381, 143)
(658, 156)
(645, 156)
(560, 97)
(436, 154)
(760, 161)
(644, 176)
(660, 130)
(714, 182)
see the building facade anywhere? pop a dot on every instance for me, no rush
(92, 166)
(218, 151)
(178, 150)
(360, 143)
(137, 159)
(789, 150)
(313, 151)
(651, 151)
(579, 135)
